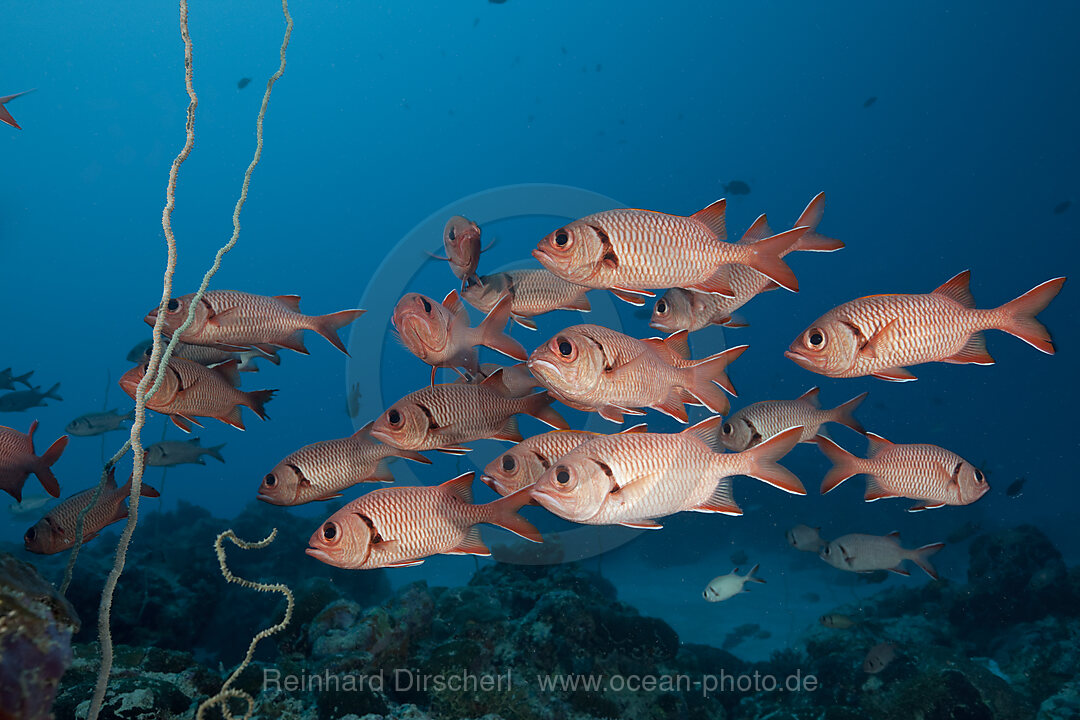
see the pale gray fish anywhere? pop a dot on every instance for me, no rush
(21, 400)
(168, 453)
(99, 423)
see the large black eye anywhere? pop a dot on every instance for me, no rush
(394, 417)
(979, 477)
(30, 535)
(562, 476)
(329, 531)
(174, 305)
(270, 480)
(565, 348)
(661, 307)
(452, 235)
(561, 238)
(816, 338)
(508, 463)
(726, 428)
(427, 305)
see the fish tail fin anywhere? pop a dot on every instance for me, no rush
(503, 512)
(767, 258)
(1018, 316)
(53, 392)
(814, 241)
(491, 334)
(920, 556)
(44, 468)
(144, 490)
(539, 406)
(130, 415)
(845, 414)
(750, 577)
(707, 374)
(763, 461)
(257, 399)
(845, 465)
(215, 452)
(328, 326)
(24, 379)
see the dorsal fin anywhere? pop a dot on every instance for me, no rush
(758, 231)
(877, 444)
(712, 217)
(679, 343)
(707, 432)
(461, 486)
(290, 301)
(958, 288)
(895, 535)
(810, 397)
(452, 302)
(639, 428)
(230, 371)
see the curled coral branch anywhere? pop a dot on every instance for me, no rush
(227, 692)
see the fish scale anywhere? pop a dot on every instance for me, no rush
(916, 471)
(263, 317)
(64, 517)
(423, 520)
(331, 466)
(532, 292)
(551, 445)
(206, 392)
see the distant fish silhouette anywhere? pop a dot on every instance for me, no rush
(242, 83)
(870, 101)
(737, 187)
(5, 116)
(496, 2)
(1058, 209)
(1016, 488)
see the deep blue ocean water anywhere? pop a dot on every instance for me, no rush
(389, 113)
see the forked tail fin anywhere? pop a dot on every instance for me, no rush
(763, 461)
(328, 326)
(920, 556)
(767, 258)
(490, 331)
(503, 512)
(1018, 316)
(845, 465)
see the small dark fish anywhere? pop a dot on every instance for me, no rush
(811, 597)
(599, 67)
(242, 83)
(21, 400)
(1062, 206)
(135, 354)
(967, 530)
(496, 2)
(99, 423)
(837, 621)
(7, 380)
(879, 658)
(870, 101)
(1016, 488)
(737, 187)
(168, 453)
(763, 635)
(739, 557)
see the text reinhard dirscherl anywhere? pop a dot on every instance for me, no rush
(410, 680)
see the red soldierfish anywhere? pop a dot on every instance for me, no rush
(5, 116)
(680, 309)
(443, 417)
(18, 460)
(523, 464)
(398, 527)
(441, 336)
(631, 479)
(56, 531)
(461, 240)
(238, 321)
(191, 390)
(760, 421)
(927, 473)
(597, 369)
(531, 292)
(867, 553)
(880, 335)
(320, 471)
(631, 252)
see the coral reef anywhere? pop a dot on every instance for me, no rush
(36, 624)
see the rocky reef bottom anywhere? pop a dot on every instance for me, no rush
(552, 642)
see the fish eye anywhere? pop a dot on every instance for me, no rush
(173, 305)
(562, 476)
(826, 550)
(427, 305)
(329, 531)
(726, 428)
(815, 338)
(565, 347)
(452, 235)
(508, 463)
(661, 307)
(394, 418)
(270, 480)
(562, 239)
(30, 535)
(979, 477)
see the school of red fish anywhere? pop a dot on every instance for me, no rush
(634, 477)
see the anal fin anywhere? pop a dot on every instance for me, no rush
(894, 374)
(974, 352)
